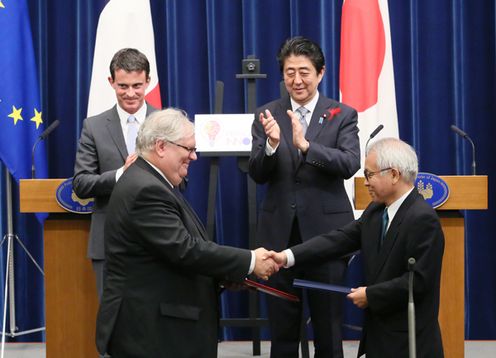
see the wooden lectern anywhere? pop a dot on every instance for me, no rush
(466, 193)
(70, 294)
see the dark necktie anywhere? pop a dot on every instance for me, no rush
(385, 221)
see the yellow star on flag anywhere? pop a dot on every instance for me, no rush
(37, 118)
(2, 5)
(16, 114)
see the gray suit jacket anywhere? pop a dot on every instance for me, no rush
(414, 232)
(101, 151)
(161, 291)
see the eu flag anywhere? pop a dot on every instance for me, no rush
(21, 117)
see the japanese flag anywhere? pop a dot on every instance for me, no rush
(366, 69)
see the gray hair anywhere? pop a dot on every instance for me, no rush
(394, 153)
(169, 125)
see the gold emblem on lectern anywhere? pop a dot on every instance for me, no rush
(68, 200)
(77, 199)
(433, 189)
(426, 191)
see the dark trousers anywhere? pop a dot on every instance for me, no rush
(325, 309)
(99, 269)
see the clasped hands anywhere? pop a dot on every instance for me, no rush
(273, 132)
(268, 263)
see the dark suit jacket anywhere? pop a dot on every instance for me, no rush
(414, 232)
(311, 186)
(161, 292)
(101, 151)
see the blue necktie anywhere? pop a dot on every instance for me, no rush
(301, 113)
(385, 221)
(132, 132)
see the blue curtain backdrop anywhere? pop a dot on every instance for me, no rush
(445, 72)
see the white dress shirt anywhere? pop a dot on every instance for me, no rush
(310, 106)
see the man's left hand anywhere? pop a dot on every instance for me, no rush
(299, 140)
(359, 297)
(131, 158)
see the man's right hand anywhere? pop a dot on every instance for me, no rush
(279, 257)
(130, 160)
(271, 128)
(264, 265)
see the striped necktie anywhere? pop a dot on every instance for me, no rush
(385, 221)
(301, 112)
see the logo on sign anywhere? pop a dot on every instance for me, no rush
(67, 198)
(434, 189)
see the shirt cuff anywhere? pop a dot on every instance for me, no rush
(269, 151)
(290, 259)
(118, 173)
(252, 262)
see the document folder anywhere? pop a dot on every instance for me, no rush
(321, 286)
(270, 290)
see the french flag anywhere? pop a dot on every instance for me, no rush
(122, 23)
(366, 75)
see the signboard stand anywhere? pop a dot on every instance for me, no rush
(250, 73)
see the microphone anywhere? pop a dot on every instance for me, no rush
(41, 137)
(465, 136)
(411, 263)
(372, 135)
(412, 346)
(49, 130)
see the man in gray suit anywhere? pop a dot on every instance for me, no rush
(106, 146)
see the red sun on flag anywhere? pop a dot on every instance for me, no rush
(362, 49)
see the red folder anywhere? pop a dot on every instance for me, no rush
(270, 290)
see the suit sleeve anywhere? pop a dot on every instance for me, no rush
(261, 166)
(425, 243)
(343, 160)
(88, 181)
(157, 217)
(332, 245)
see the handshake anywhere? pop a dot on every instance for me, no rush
(268, 263)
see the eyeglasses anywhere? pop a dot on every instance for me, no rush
(369, 175)
(190, 150)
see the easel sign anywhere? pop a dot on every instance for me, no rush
(223, 134)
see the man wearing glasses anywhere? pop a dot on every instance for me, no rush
(161, 292)
(397, 225)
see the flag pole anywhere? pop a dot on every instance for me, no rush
(9, 289)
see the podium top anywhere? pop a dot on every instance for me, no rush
(38, 196)
(467, 192)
